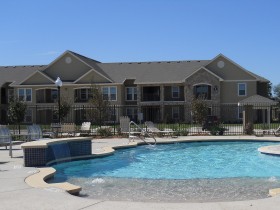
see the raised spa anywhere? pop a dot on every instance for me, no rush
(195, 172)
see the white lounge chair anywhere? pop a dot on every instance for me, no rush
(276, 132)
(151, 128)
(85, 128)
(6, 139)
(125, 128)
(35, 133)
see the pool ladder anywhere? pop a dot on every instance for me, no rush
(143, 131)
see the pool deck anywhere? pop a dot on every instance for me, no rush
(16, 194)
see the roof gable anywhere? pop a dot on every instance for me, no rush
(205, 69)
(67, 67)
(37, 78)
(229, 70)
(92, 77)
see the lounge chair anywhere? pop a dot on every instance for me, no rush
(125, 128)
(276, 132)
(67, 129)
(6, 139)
(155, 131)
(85, 129)
(35, 133)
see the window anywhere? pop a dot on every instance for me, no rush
(28, 116)
(203, 91)
(25, 94)
(175, 91)
(175, 112)
(131, 112)
(242, 89)
(131, 93)
(109, 93)
(84, 94)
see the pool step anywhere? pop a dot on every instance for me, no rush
(38, 181)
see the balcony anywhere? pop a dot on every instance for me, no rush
(46, 96)
(151, 93)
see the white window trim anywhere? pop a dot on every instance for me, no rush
(245, 88)
(86, 93)
(109, 92)
(25, 94)
(199, 84)
(174, 112)
(133, 93)
(172, 90)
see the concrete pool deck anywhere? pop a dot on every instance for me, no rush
(16, 194)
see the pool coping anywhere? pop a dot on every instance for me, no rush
(37, 180)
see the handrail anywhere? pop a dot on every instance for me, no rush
(142, 130)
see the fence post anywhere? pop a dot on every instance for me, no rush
(114, 119)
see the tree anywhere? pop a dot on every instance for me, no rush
(199, 110)
(16, 112)
(276, 91)
(64, 109)
(269, 90)
(100, 106)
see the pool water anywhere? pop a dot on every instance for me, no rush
(201, 171)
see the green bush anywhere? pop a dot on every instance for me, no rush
(217, 130)
(249, 130)
(104, 132)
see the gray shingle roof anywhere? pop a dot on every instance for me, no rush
(151, 72)
(257, 100)
(17, 73)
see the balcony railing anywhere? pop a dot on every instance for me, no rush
(151, 97)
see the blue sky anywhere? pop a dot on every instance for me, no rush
(246, 31)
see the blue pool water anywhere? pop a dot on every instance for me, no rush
(178, 172)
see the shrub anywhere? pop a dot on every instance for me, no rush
(104, 132)
(248, 130)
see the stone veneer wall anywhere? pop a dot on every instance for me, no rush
(202, 77)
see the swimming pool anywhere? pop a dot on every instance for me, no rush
(199, 171)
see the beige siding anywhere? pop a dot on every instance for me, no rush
(92, 77)
(230, 71)
(67, 72)
(229, 91)
(37, 79)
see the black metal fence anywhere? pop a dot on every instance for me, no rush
(178, 117)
